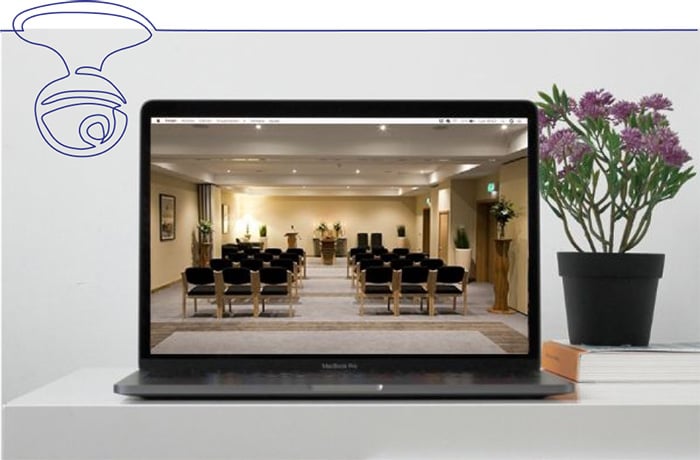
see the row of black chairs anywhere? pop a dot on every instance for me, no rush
(237, 283)
(413, 282)
(359, 253)
(298, 255)
(369, 240)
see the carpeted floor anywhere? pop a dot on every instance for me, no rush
(328, 342)
(326, 308)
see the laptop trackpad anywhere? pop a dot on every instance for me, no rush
(349, 389)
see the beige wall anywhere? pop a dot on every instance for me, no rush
(513, 186)
(463, 212)
(356, 214)
(168, 258)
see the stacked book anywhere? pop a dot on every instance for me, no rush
(677, 362)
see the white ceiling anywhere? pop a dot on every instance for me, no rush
(401, 160)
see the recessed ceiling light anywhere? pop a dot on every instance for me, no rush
(504, 127)
(347, 186)
(357, 171)
(294, 171)
(258, 126)
(382, 127)
(422, 171)
(414, 188)
(228, 171)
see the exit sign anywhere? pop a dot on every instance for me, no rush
(491, 187)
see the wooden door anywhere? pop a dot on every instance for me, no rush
(426, 230)
(443, 234)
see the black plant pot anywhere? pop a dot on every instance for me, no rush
(610, 297)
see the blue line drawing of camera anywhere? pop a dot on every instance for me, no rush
(80, 114)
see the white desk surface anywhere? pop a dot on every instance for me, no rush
(78, 416)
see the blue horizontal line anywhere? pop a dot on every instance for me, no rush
(427, 30)
(414, 30)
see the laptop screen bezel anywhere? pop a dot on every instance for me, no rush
(346, 109)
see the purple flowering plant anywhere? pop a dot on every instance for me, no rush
(605, 165)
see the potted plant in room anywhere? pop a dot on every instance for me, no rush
(322, 230)
(401, 236)
(503, 211)
(262, 231)
(338, 229)
(205, 228)
(463, 253)
(604, 167)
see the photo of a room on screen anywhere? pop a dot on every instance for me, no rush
(339, 236)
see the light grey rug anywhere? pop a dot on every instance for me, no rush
(340, 342)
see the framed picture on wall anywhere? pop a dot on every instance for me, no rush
(167, 217)
(224, 219)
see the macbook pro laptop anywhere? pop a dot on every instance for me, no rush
(318, 249)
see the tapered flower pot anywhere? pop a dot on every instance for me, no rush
(610, 298)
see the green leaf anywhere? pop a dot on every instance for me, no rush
(544, 96)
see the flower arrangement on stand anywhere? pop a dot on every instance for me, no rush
(503, 211)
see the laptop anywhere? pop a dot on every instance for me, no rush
(366, 199)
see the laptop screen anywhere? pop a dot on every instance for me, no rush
(386, 230)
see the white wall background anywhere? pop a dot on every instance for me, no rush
(70, 225)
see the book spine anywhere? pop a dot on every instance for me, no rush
(561, 360)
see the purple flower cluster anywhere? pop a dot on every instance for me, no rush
(565, 147)
(662, 142)
(655, 102)
(622, 110)
(595, 104)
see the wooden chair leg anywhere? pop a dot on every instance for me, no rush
(195, 305)
(184, 306)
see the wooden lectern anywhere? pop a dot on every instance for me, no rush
(501, 285)
(291, 239)
(328, 251)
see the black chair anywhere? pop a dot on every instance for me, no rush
(252, 264)
(413, 282)
(273, 251)
(236, 284)
(379, 250)
(451, 281)
(375, 240)
(276, 282)
(398, 264)
(302, 254)
(356, 260)
(402, 252)
(251, 250)
(376, 282)
(415, 256)
(288, 264)
(388, 257)
(229, 250)
(264, 256)
(362, 240)
(432, 264)
(351, 258)
(202, 279)
(220, 264)
(298, 260)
